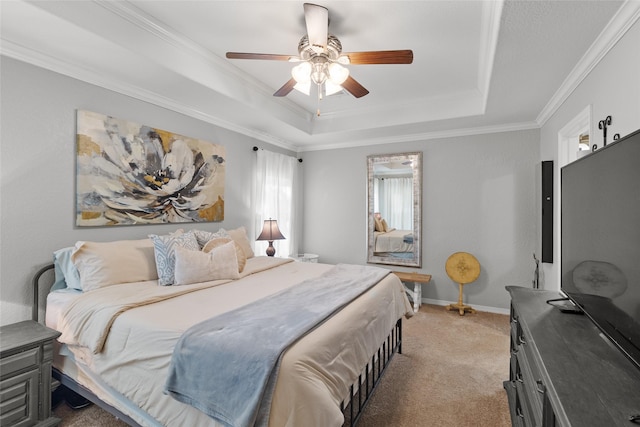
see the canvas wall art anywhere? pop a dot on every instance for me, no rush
(129, 174)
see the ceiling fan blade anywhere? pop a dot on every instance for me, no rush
(286, 88)
(381, 57)
(354, 88)
(317, 20)
(266, 56)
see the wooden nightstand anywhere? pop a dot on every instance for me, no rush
(26, 352)
(417, 279)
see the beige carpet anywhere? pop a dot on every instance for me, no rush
(450, 373)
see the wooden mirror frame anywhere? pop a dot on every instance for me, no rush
(416, 159)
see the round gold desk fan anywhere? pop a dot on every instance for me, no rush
(462, 268)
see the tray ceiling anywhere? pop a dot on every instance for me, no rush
(479, 66)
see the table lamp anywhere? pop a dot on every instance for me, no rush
(270, 232)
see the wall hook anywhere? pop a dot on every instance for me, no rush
(603, 125)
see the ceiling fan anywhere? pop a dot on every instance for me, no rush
(321, 60)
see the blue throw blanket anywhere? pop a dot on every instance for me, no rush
(227, 366)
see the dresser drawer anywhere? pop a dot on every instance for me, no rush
(524, 412)
(29, 358)
(19, 399)
(531, 386)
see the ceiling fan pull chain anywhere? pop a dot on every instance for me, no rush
(319, 98)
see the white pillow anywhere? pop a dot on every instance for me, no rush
(111, 263)
(66, 274)
(240, 236)
(217, 242)
(196, 266)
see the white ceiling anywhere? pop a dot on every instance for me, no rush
(479, 66)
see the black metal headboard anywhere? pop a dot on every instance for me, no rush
(35, 308)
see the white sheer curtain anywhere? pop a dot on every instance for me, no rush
(276, 196)
(394, 197)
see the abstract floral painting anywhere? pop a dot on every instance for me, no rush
(129, 174)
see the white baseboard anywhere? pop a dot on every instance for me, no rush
(477, 307)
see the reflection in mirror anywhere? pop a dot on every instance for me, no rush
(394, 209)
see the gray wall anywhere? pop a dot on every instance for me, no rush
(478, 190)
(478, 197)
(612, 88)
(37, 207)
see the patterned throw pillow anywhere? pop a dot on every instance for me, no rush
(205, 236)
(164, 251)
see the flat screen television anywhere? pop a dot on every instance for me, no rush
(600, 240)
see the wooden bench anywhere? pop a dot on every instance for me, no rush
(417, 279)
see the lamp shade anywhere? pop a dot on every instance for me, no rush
(270, 231)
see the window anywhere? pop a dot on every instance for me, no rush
(277, 185)
(394, 200)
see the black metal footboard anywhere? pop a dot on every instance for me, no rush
(361, 391)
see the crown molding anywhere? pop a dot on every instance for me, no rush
(492, 14)
(48, 62)
(20, 53)
(621, 22)
(139, 19)
(424, 136)
(472, 104)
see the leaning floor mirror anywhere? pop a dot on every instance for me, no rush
(394, 211)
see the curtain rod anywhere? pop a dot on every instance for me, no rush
(256, 149)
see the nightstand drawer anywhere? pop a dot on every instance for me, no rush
(18, 402)
(26, 351)
(19, 361)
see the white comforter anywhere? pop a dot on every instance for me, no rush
(133, 354)
(393, 241)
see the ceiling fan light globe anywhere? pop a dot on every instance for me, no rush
(301, 73)
(337, 73)
(331, 88)
(303, 87)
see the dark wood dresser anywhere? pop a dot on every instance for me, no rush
(563, 371)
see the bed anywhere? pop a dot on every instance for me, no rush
(117, 343)
(393, 241)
